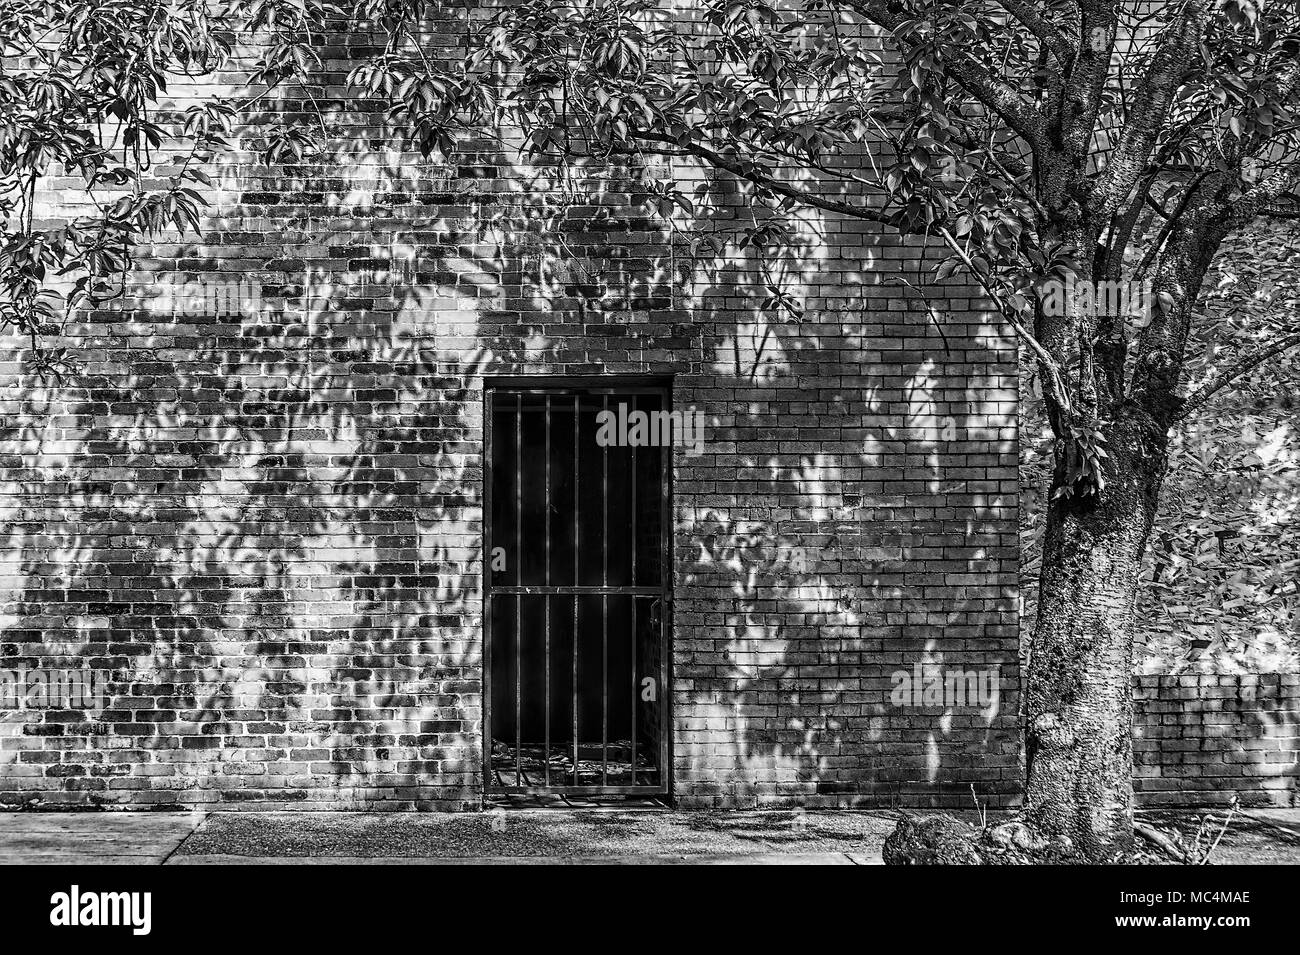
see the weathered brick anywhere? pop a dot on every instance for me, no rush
(267, 527)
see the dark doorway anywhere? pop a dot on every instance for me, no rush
(576, 569)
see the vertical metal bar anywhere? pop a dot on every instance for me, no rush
(546, 608)
(632, 758)
(577, 471)
(604, 611)
(636, 528)
(519, 600)
(632, 653)
(489, 529)
(663, 650)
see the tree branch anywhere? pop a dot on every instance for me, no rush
(1046, 32)
(1152, 102)
(1270, 212)
(1243, 365)
(1170, 220)
(1261, 198)
(995, 93)
(657, 143)
(1078, 95)
(1058, 390)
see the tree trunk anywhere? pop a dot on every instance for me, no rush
(1078, 702)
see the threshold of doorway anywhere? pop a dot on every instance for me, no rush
(612, 803)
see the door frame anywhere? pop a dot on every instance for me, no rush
(614, 384)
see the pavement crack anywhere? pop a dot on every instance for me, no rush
(186, 838)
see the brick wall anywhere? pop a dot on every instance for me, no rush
(263, 526)
(1203, 738)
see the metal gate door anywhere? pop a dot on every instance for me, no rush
(576, 571)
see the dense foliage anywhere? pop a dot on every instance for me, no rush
(87, 96)
(1221, 590)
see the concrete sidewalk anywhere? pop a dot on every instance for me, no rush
(503, 837)
(522, 837)
(93, 838)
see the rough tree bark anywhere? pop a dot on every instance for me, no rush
(1078, 703)
(1078, 692)
(1078, 684)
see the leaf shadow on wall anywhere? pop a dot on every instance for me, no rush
(267, 525)
(830, 574)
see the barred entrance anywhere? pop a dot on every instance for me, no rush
(576, 573)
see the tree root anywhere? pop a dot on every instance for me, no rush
(943, 840)
(1161, 842)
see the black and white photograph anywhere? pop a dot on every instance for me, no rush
(651, 432)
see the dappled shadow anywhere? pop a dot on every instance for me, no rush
(268, 525)
(1204, 739)
(860, 528)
